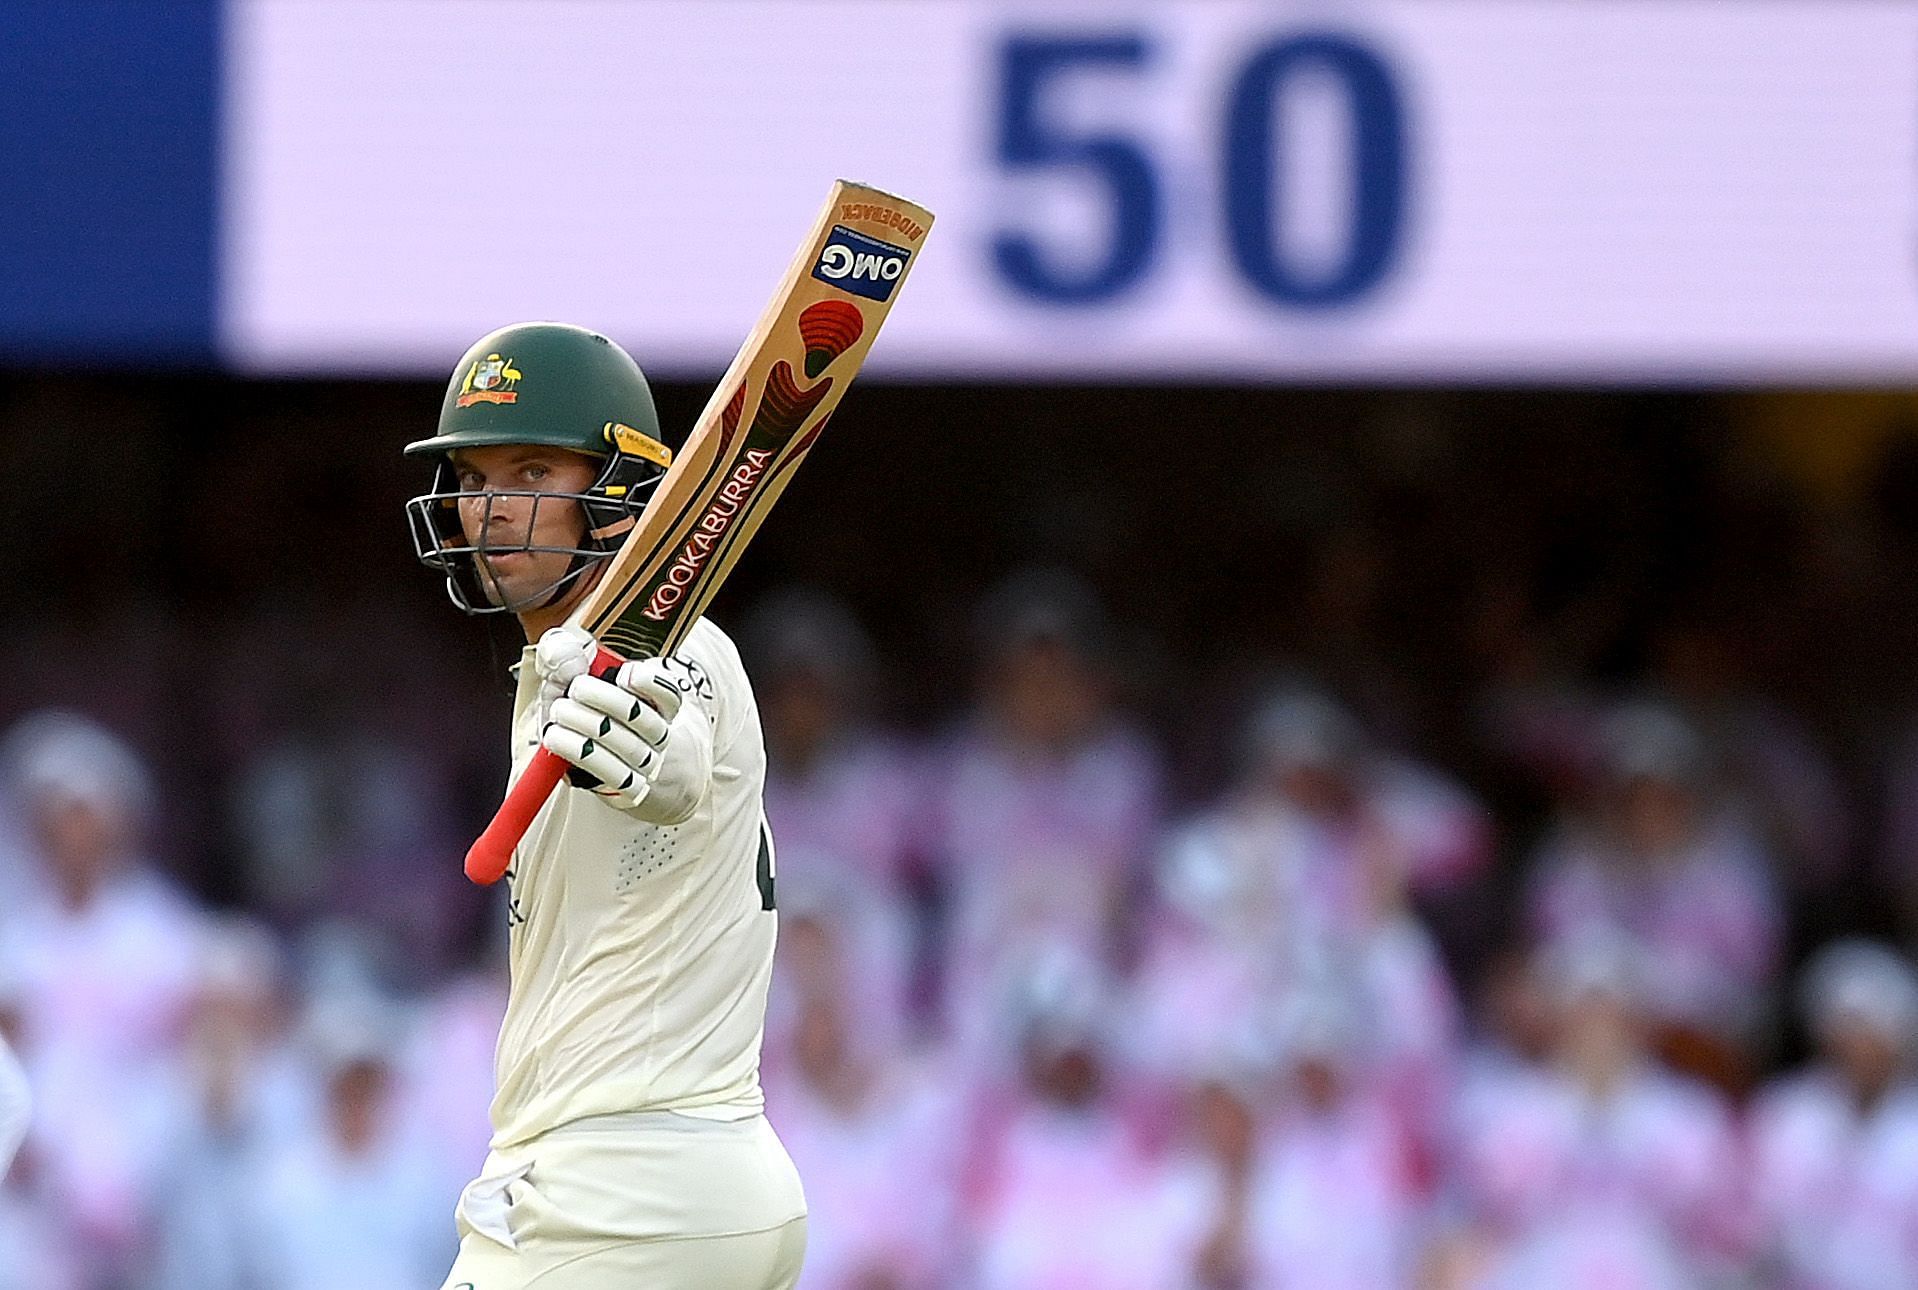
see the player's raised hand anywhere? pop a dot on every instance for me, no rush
(618, 731)
(563, 654)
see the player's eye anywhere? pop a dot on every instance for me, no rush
(471, 481)
(535, 472)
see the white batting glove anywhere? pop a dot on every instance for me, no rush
(619, 731)
(563, 654)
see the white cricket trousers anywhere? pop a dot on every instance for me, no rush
(749, 1261)
(651, 1201)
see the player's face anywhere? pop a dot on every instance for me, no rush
(503, 527)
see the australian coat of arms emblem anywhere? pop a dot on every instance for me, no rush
(489, 380)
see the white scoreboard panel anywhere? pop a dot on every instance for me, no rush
(1719, 191)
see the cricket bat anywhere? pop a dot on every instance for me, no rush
(763, 418)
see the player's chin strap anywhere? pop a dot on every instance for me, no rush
(502, 603)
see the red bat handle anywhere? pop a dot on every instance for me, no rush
(487, 859)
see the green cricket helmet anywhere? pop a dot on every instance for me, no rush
(554, 385)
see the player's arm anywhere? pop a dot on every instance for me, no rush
(645, 748)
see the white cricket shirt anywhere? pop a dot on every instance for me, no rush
(641, 953)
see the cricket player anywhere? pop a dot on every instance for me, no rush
(629, 1146)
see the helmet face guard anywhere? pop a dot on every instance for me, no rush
(610, 508)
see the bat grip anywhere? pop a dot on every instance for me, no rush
(489, 856)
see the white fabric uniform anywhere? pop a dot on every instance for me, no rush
(628, 1105)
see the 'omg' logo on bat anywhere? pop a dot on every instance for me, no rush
(862, 265)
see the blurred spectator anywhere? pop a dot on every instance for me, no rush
(1515, 1028)
(1775, 770)
(843, 801)
(1045, 800)
(1313, 761)
(1664, 860)
(340, 819)
(1301, 873)
(1514, 1022)
(352, 1199)
(868, 1125)
(447, 1068)
(839, 939)
(245, 1091)
(1334, 1200)
(1601, 1168)
(1211, 1164)
(1835, 1146)
(839, 795)
(1068, 1194)
(100, 955)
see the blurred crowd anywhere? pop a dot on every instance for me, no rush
(1328, 1018)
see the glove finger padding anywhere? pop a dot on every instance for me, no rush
(621, 740)
(648, 680)
(623, 780)
(620, 706)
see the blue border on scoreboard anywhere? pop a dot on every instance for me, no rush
(108, 181)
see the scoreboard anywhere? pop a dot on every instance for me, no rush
(1473, 191)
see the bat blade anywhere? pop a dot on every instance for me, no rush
(764, 416)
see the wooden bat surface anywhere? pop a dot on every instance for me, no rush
(763, 417)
